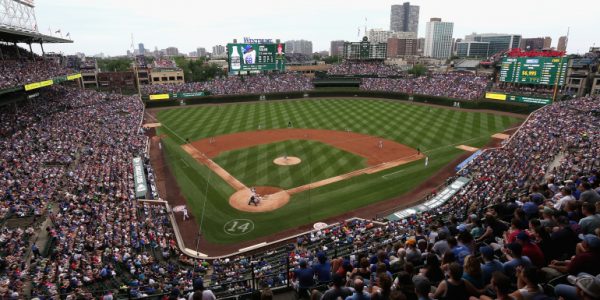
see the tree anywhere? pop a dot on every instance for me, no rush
(198, 70)
(121, 64)
(336, 59)
(418, 70)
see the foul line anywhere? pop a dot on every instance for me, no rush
(390, 174)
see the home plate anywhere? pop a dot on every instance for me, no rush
(502, 136)
(467, 148)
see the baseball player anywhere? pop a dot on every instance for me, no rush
(186, 216)
(253, 200)
(380, 144)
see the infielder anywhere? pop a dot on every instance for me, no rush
(185, 214)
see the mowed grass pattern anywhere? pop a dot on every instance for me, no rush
(436, 131)
(254, 166)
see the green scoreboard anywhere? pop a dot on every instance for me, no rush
(534, 70)
(256, 57)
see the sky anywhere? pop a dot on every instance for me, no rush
(107, 26)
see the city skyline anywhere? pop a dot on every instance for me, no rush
(107, 26)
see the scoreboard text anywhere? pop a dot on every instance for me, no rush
(534, 70)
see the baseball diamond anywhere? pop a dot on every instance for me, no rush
(214, 151)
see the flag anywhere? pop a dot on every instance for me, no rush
(426, 160)
(68, 34)
(58, 31)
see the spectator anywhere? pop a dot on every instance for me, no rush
(490, 264)
(359, 291)
(472, 272)
(322, 269)
(586, 261)
(591, 220)
(528, 283)
(585, 287)
(501, 286)
(337, 290)
(588, 195)
(531, 250)
(422, 289)
(455, 287)
(515, 259)
(304, 278)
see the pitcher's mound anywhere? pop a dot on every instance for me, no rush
(271, 198)
(287, 161)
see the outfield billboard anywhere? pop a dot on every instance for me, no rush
(176, 95)
(256, 57)
(517, 98)
(534, 70)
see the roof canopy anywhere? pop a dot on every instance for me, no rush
(17, 35)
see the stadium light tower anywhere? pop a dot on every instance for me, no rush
(18, 14)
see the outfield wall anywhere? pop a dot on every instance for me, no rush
(522, 108)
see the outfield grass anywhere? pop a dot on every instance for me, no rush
(254, 167)
(436, 131)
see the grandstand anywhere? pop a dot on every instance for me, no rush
(82, 215)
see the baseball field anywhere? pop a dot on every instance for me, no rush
(347, 153)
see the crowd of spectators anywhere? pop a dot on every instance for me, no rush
(528, 216)
(19, 67)
(364, 68)
(237, 85)
(15, 73)
(454, 85)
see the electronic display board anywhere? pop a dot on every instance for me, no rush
(534, 70)
(256, 57)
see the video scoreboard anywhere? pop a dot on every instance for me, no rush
(534, 70)
(256, 57)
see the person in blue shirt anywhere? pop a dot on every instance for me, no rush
(322, 269)
(514, 252)
(304, 278)
(490, 264)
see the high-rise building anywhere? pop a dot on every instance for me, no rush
(538, 43)
(420, 46)
(172, 51)
(401, 47)
(404, 17)
(547, 42)
(299, 46)
(364, 50)
(141, 49)
(201, 51)
(562, 43)
(438, 39)
(337, 48)
(472, 49)
(498, 41)
(381, 36)
(218, 50)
